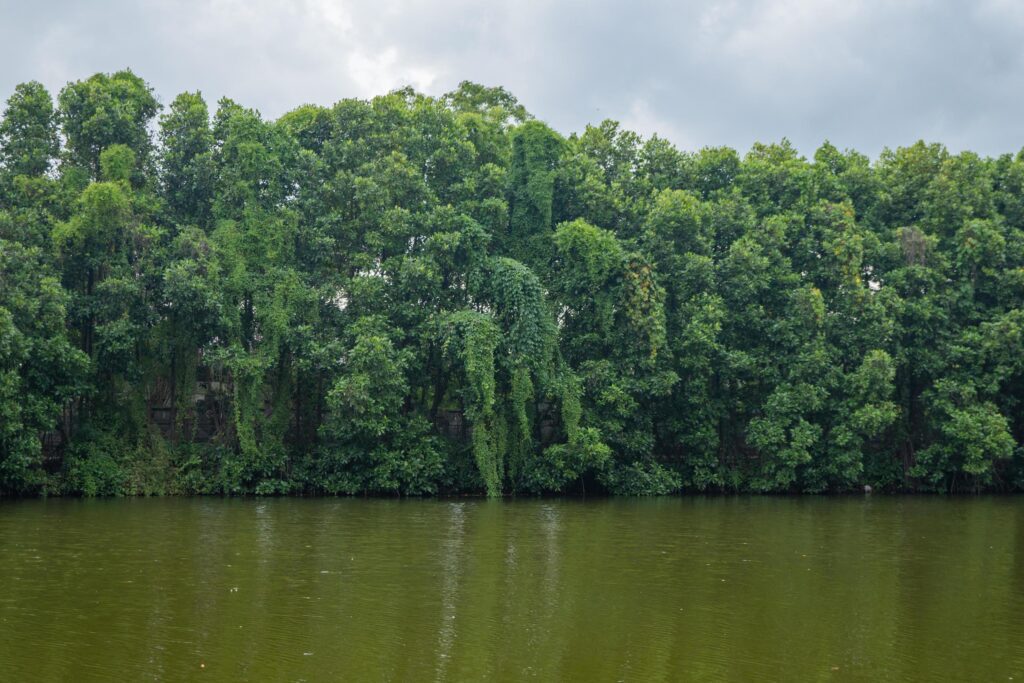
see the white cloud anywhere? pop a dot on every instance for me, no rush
(643, 119)
(863, 73)
(377, 73)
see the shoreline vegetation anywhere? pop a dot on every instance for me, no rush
(413, 295)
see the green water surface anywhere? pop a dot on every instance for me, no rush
(740, 589)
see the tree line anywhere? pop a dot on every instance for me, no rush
(416, 295)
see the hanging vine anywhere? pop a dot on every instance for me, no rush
(469, 339)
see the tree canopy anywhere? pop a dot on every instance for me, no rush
(415, 295)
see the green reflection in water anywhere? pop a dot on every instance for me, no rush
(673, 589)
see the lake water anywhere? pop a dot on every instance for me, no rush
(742, 589)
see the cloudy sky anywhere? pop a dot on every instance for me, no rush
(864, 74)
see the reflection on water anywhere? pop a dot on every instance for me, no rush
(692, 588)
(451, 561)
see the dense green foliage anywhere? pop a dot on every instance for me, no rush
(417, 295)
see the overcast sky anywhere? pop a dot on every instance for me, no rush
(864, 74)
